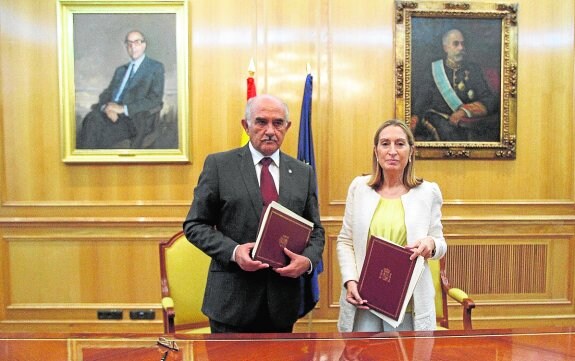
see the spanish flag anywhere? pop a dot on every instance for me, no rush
(251, 92)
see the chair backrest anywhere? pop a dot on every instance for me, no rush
(183, 271)
(437, 267)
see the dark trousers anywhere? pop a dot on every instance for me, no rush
(99, 132)
(262, 324)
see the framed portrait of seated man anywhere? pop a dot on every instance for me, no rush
(123, 81)
(456, 78)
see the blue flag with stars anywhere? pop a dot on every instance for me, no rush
(309, 284)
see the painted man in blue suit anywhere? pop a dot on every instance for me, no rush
(129, 108)
(243, 295)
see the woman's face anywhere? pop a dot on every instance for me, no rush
(392, 150)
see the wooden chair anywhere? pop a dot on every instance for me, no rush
(183, 273)
(444, 289)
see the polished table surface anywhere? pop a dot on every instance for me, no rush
(547, 344)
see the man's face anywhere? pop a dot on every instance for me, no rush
(267, 126)
(135, 45)
(455, 47)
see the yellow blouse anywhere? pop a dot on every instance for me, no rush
(389, 221)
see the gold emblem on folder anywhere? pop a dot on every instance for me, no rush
(283, 241)
(385, 275)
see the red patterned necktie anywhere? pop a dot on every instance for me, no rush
(267, 185)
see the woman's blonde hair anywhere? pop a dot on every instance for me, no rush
(409, 178)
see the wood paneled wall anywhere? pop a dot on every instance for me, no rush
(75, 238)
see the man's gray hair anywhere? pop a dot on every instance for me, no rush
(250, 103)
(136, 31)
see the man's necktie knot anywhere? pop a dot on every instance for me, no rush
(266, 161)
(267, 184)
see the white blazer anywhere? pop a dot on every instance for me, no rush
(422, 206)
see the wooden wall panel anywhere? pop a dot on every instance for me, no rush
(520, 268)
(83, 269)
(71, 222)
(362, 92)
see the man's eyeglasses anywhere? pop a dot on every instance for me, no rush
(134, 42)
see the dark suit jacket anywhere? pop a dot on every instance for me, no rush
(144, 92)
(143, 96)
(427, 97)
(225, 212)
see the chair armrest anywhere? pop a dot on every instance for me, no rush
(167, 302)
(467, 303)
(169, 315)
(457, 294)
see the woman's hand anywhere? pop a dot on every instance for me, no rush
(424, 247)
(353, 297)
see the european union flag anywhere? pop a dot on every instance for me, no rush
(309, 283)
(305, 143)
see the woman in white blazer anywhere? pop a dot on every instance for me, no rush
(391, 203)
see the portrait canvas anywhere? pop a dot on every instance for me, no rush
(456, 78)
(482, 49)
(99, 45)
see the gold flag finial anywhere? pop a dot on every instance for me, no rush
(252, 67)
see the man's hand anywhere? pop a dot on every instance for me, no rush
(456, 117)
(113, 111)
(245, 261)
(297, 266)
(113, 116)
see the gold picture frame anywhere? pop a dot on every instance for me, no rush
(93, 48)
(485, 81)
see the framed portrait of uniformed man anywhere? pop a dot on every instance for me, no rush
(456, 66)
(123, 81)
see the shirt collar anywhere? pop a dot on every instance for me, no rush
(138, 61)
(257, 156)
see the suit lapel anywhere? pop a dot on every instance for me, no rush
(119, 77)
(142, 69)
(372, 202)
(286, 181)
(369, 202)
(250, 179)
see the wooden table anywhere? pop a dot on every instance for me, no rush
(527, 344)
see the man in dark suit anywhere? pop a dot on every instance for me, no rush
(129, 108)
(243, 295)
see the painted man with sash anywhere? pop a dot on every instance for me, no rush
(454, 102)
